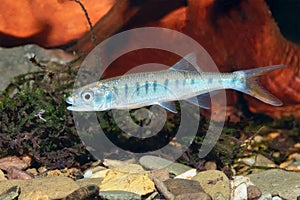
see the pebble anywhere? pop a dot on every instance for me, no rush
(161, 174)
(11, 193)
(253, 192)
(15, 173)
(154, 162)
(130, 178)
(214, 182)
(117, 163)
(210, 165)
(182, 186)
(188, 174)
(12, 161)
(119, 195)
(2, 176)
(278, 182)
(53, 187)
(36, 195)
(266, 196)
(89, 181)
(276, 198)
(83, 193)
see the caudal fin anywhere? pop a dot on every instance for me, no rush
(253, 88)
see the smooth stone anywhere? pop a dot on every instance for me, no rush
(36, 195)
(15, 173)
(53, 187)
(12, 161)
(261, 160)
(276, 198)
(119, 195)
(182, 186)
(195, 196)
(99, 174)
(266, 196)
(243, 188)
(161, 174)
(11, 193)
(130, 179)
(214, 182)
(277, 182)
(188, 174)
(117, 163)
(253, 192)
(154, 162)
(83, 193)
(89, 181)
(239, 192)
(210, 165)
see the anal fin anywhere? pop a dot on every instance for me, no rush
(202, 101)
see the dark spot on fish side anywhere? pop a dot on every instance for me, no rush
(192, 82)
(166, 83)
(137, 85)
(154, 86)
(126, 90)
(177, 83)
(184, 82)
(116, 90)
(210, 80)
(146, 86)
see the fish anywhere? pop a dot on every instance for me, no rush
(182, 81)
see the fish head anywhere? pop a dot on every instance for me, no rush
(93, 97)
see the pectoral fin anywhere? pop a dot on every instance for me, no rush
(170, 106)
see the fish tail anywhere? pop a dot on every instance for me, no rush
(252, 86)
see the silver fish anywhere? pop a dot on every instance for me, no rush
(183, 81)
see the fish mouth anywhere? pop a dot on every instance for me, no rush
(70, 100)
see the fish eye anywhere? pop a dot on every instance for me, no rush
(87, 96)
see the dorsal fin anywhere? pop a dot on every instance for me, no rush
(187, 63)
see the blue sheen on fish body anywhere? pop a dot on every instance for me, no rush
(182, 81)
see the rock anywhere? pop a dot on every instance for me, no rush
(86, 192)
(182, 186)
(243, 188)
(253, 192)
(130, 178)
(266, 196)
(36, 195)
(12, 161)
(89, 181)
(53, 187)
(188, 174)
(11, 193)
(195, 196)
(161, 174)
(117, 163)
(15, 173)
(95, 172)
(154, 162)
(276, 198)
(2, 176)
(210, 165)
(119, 195)
(238, 190)
(32, 171)
(278, 182)
(15, 61)
(214, 182)
(261, 160)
